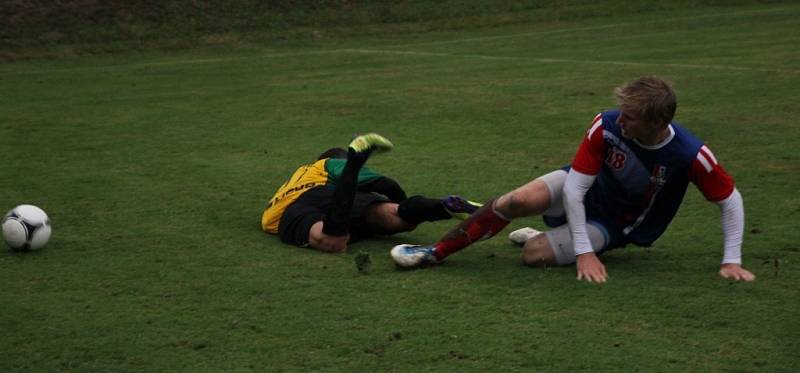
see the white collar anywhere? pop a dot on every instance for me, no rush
(661, 144)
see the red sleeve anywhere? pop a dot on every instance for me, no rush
(589, 158)
(710, 177)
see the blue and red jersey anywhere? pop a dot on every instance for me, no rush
(639, 188)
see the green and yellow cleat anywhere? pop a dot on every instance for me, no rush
(371, 142)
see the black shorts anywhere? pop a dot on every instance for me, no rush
(311, 207)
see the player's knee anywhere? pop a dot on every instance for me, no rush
(537, 252)
(531, 199)
(511, 205)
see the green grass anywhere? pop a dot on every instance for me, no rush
(155, 167)
(68, 28)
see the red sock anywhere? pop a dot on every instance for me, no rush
(482, 225)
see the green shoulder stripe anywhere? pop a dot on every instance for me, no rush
(334, 166)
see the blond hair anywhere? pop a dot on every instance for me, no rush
(649, 98)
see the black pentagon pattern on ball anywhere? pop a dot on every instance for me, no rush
(30, 228)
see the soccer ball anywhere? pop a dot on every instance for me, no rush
(26, 227)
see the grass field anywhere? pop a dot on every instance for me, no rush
(155, 168)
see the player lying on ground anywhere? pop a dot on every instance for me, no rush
(624, 186)
(337, 200)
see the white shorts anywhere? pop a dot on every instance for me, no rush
(560, 238)
(555, 183)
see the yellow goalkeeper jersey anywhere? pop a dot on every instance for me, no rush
(305, 178)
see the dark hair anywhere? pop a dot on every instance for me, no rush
(333, 153)
(649, 98)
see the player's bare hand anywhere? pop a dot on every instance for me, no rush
(590, 268)
(735, 272)
(330, 244)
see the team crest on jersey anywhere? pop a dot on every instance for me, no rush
(659, 176)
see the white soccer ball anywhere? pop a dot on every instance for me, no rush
(26, 227)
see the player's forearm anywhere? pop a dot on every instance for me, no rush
(575, 188)
(732, 216)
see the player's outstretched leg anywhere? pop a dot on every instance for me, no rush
(418, 209)
(337, 218)
(481, 225)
